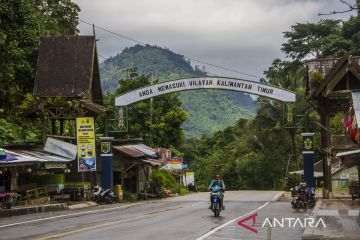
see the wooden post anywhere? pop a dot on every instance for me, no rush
(326, 147)
(53, 127)
(61, 127)
(44, 129)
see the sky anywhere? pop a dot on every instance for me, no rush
(244, 35)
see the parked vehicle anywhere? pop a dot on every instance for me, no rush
(303, 197)
(102, 195)
(215, 198)
(192, 187)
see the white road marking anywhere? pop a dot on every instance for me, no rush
(226, 238)
(231, 221)
(68, 215)
(277, 196)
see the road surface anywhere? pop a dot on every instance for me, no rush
(185, 217)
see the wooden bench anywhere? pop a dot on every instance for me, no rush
(78, 190)
(36, 193)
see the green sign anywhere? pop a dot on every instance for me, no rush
(289, 115)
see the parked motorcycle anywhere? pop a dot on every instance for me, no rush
(303, 197)
(192, 187)
(102, 195)
(215, 198)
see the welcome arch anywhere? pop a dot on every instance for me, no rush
(223, 83)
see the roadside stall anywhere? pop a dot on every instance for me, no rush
(28, 173)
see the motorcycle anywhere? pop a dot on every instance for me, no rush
(303, 197)
(102, 195)
(215, 198)
(192, 187)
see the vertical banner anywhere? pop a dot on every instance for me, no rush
(308, 154)
(122, 116)
(85, 131)
(289, 115)
(106, 162)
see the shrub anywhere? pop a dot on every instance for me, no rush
(163, 179)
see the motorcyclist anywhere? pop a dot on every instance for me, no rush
(220, 183)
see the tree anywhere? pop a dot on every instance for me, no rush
(21, 25)
(22, 22)
(315, 40)
(158, 123)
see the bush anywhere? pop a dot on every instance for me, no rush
(129, 197)
(163, 179)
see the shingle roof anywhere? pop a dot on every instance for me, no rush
(68, 67)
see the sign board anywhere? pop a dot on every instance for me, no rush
(174, 164)
(188, 178)
(85, 130)
(289, 115)
(206, 83)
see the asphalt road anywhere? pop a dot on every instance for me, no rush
(185, 217)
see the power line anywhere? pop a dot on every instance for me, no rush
(192, 59)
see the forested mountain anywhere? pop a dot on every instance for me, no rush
(209, 110)
(259, 153)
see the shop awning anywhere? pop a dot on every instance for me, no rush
(27, 157)
(350, 158)
(60, 148)
(136, 150)
(301, 172)
(356, 104)
(153, 162)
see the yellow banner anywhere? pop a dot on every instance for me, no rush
(85, 130)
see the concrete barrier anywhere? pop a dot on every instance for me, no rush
(32, 209)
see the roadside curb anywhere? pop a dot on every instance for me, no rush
(32, 209)
(82, 205)
(309, 231)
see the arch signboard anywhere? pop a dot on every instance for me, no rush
(206, 83)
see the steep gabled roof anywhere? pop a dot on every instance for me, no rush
(68, 67)
(339, 74)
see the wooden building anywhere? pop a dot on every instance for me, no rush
(331, 85)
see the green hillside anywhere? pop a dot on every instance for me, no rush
(209, 110)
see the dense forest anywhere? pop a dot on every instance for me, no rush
(249, 146)
(255, 153)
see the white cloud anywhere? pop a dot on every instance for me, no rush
(242, 34)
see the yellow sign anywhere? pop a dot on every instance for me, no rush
(105, 147)
(86, 144)
(308, 144)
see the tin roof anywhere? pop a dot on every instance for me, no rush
(350, 158)
(30, 156)
(68, 67)
(136, 150)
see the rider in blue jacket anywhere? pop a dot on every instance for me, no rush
(220, 183)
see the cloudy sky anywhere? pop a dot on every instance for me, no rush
(245, 35)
